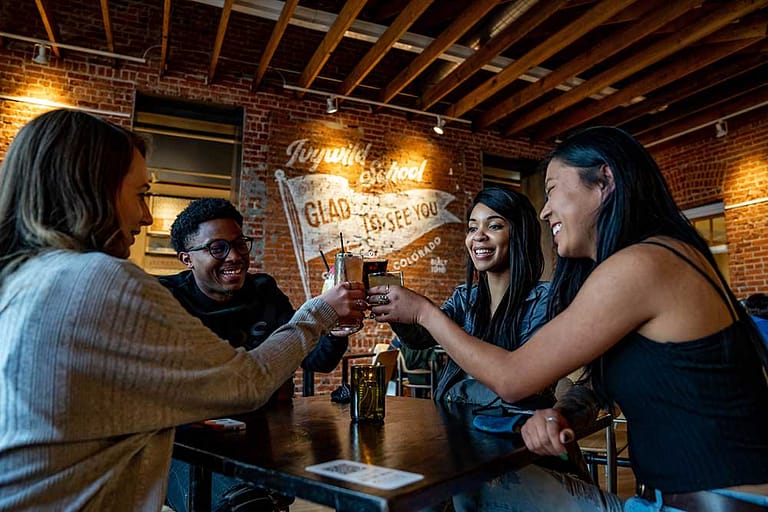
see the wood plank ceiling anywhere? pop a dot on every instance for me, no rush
(534, 69)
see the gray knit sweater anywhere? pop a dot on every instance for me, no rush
(97, 361)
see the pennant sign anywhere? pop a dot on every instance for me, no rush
(320, 206)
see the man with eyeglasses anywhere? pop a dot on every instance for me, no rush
(243, 308)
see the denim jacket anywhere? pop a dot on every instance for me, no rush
(417, 337)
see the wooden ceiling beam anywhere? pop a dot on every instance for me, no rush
(407, 17)
(166, 32)
(388, 9)
(506, 38)
(735, 31)
(682, 65)
(441, 14)
(331, 40)
(274, 39)
(107, 25)
(722, 93)
(226, 11)
(50, 25)
(622, 39)
(471, 15)
(743, 103)
(634, 12)
(676, 92)
(586, 22)
(649, 55)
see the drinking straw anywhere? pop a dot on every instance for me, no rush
(341, 240)
(327, 267)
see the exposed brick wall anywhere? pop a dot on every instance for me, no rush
(732, 169)
(271, 122)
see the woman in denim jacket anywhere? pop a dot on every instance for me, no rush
(505, 307)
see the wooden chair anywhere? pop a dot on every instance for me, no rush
(404, 382)
(605, 448)
(382, 354)
(387, 358)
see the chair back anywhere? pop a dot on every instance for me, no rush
(381, 347)
(388, 359)
(404, 382)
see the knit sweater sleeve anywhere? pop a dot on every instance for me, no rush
(118, 347)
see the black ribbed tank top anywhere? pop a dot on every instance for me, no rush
(697, 411)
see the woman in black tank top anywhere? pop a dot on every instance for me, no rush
(637, 297)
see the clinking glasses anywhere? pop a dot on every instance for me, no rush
(219, 249)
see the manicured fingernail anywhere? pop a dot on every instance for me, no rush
(563, 456)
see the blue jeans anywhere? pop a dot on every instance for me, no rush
(537, 489)
(637, 504)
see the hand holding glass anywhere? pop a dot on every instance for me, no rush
(383, 279)
(348, 267)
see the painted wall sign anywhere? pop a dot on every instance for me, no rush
(320, 206)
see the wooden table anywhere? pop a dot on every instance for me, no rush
(418, 436)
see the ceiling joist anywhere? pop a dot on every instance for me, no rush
(220, 33)
(654, 18)
(649, 55)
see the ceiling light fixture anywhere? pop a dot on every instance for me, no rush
(140, 60)
(439, 125)
(41, 56)
(331, 105)
(376, 103)
(721, 129)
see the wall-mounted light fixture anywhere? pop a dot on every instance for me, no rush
(331, 105)
(41, 54)
(721, 129)
(439, 125)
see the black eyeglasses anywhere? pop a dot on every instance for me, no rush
(219, 249)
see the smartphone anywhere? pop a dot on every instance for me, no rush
(225, 424)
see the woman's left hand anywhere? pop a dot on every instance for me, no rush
(547, 432)
(396, 304)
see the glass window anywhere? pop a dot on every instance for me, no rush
(712, 229)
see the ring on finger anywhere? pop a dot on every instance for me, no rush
(551, 419)
(360, 303)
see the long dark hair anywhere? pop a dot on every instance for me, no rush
(59, 183)
(526, 263)
(639, 207)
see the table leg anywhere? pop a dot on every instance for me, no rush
(308, 386)
(199, 489)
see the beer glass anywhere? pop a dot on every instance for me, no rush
(347, 267)
(383, 279)
(373, 266)
(368, 392)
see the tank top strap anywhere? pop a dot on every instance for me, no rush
(695, 267)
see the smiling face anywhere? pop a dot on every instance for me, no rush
(218, 279)
(488, 240)
(131, 207)
(571, 211)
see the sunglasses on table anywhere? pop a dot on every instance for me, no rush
(219, 249)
